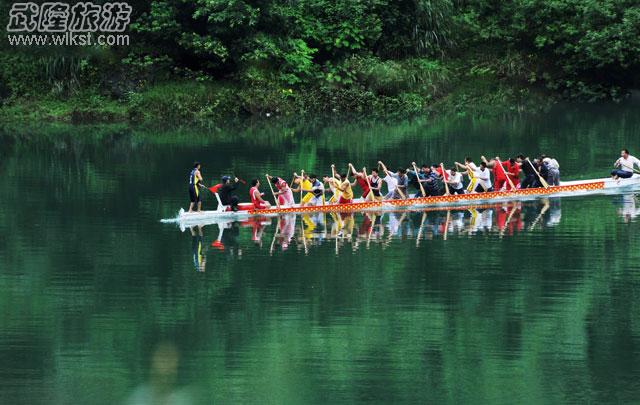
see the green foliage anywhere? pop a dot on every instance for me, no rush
(193, 60)
(587, 49)
(19, 76)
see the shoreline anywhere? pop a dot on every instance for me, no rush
(203, 104)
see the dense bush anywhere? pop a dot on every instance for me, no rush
(268, 56)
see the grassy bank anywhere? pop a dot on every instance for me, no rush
(373, 88)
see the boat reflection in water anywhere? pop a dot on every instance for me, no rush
(303, 232)
(628, 208)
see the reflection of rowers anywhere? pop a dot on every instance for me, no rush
(628, 210)
(287, 229)
(197, 246)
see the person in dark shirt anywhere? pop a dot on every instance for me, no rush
(226, 192)
(544, 169)
(530, 176)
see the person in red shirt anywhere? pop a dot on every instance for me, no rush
(514, 172)
(256, 196)
(361, 179)
(499, 172)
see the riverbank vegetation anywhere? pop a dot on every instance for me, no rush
(209, 60)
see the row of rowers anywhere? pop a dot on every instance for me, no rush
(427, 180)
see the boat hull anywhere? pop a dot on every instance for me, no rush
(571, 188)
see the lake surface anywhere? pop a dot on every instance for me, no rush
(535, 302)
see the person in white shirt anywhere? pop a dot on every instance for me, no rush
(392, 183)
(625, 165)
(483, 177)
(454, 180)
(553, 171)
(470, 168)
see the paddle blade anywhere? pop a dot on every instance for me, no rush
(544, 182)
(214, 189)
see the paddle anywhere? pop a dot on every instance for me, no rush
(632, 169)
(508, 221)
(304, 238)
(542, 181)
(275, 235)
(336, 190)
(419, 236)
(506, 175)
(444, 179)
(446, 224)
(272, 192)
(293, 179)
(542, 212)
(415, 168)
(301, 181)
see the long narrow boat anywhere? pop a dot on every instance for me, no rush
(565, 189)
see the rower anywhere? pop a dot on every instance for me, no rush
(335, 193)
(361, 179)
(435, 188)
(402, 183)
(514, 172)
(470, 168)
(530, 176)
(454, 180)
(483, 177)
(304, 185)
(376, 184)
(626, 164)
(195, 182)
(429, 179)
(499, 173)
(553, 168)
(256, 196)
(343, 184)
(226, 192)
(284, 193)
(316, 190)
(416, 177)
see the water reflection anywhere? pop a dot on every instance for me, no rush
(628, 209)
(352, 231)
(161, 385)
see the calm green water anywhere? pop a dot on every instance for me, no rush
(101, 303)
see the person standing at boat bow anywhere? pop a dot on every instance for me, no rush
(195, 183)
(625, 165)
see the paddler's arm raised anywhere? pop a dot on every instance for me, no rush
(354, 173)
(490, 164)
(384, 168)
(333, 172)
(461, 166)
(410, 169)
